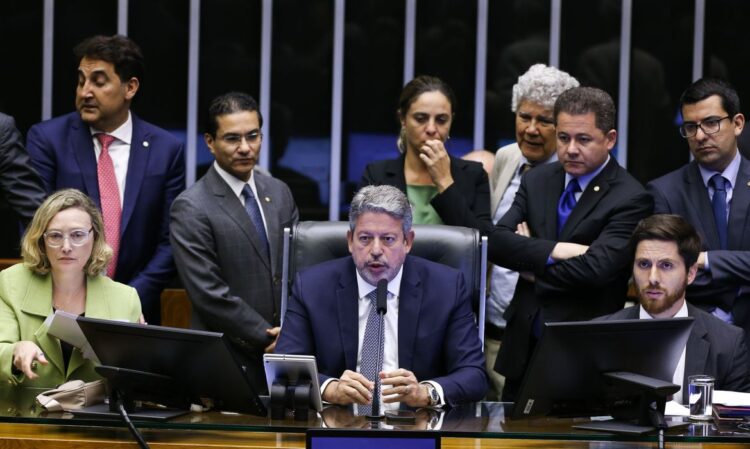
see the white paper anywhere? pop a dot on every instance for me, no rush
(674, 408)
(732, 398)
(64, 326)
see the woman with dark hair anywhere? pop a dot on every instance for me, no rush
(441, 189)
(64, 254)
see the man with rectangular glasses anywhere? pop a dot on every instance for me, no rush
(713, 193)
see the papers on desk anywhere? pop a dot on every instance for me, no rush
(732, 398)
(673, 408)
(64, 326)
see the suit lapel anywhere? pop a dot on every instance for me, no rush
(552, 189)
(83, 150)
(738, 209)
(394, 171)
(233, 208)
(409, 307)
(41, 287)
(97, 306)
(595, 191)
(140, 151)
(347, 298)
(698, 195)
(503, 180)
(270, 204)
(696, 353)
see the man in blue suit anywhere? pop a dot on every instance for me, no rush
(713, 194)
(133, 170)
(432, 355)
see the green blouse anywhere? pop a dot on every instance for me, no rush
(420, 197)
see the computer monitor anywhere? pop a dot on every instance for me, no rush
(371, 439)
(569, 372)
(170, 366)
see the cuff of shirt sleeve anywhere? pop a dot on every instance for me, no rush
(325, 385)
(706, 265)
(439, 389)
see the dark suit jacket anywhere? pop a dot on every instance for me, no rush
(437, 336)
(682, 192)
(62, 151)
(21, 189)
(232, 284)
(714, 348)
(465, 203)
(575, 289)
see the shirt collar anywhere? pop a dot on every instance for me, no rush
(584, 180)
(234, 183)
(394, 286)
(682, 313)
(730, 173)
(124, 133)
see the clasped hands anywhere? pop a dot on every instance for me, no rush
(561, 251)
(400, 385)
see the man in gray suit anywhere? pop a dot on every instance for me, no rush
(665, 250)
(226, 233)
(534, 97)
(21, 189)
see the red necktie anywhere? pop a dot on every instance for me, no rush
(109, 195)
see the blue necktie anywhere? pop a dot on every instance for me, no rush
(253, 210)
(566, 204)
(719, 205)
(373, 347)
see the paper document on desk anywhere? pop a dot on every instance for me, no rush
(733, 398)
(674, 408)
(64, 326)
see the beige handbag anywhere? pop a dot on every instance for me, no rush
(73, 395)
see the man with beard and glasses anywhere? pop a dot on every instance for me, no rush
(665, 249)
(431, 352)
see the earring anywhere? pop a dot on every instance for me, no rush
(400, 142)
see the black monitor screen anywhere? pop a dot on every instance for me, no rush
(200, 364)
(565, 376)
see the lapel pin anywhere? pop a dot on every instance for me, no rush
(596, 188)
(268, 200)
(145, 144)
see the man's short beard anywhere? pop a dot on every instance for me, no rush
(657, 307)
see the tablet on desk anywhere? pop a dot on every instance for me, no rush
(294, 368)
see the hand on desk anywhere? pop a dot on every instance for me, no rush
(404, 388)
(350, 388)
(25, 356)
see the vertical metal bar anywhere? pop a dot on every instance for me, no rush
(122, 17)
(192, 93)
(410, 32)
(554, 33)
(699, 35)
(266, 39)
(48, 43)
(337, 107)
(481, 73)
(623, 100)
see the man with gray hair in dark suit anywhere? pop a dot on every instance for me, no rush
(226, 232)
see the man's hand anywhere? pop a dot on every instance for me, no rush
(273, 332)
(26, 354)
(702, 260)
(567, 250)
(523, 229)
(435, 157)
(351, 388)
(404, 387)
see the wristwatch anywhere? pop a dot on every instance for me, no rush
(433, 394)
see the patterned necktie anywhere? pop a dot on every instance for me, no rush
(253, 210)
(566, 204)
(373, 347)
(719, 205)
(109, 196)
(524, 168)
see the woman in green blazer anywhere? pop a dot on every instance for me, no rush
(64, 254)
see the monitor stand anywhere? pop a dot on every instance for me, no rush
(650, 411)
(126, 386)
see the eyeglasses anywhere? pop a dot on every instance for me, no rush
(76, 237)
(236, 139)
(711, 125)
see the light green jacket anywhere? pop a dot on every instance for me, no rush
(26, 301)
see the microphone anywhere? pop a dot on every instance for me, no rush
(381, 297)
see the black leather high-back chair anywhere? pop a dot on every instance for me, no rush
(313, 242)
